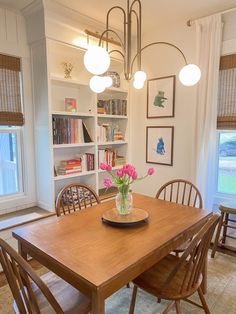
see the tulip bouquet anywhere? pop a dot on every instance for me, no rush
(123, 178)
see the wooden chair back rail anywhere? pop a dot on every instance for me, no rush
(75, 197)
(19, 275)
(180, 191)
(194, 257)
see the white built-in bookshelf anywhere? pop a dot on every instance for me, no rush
(55, 127)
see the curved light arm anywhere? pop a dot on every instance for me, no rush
(159, 43)
(114, 32)
(116, 50)
(107, 21)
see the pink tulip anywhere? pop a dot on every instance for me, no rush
(109, 168)
(134, 175)
(103, 166)
(119, 173)
(150, 171)
(107, 182)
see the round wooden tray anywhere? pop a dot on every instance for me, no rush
(137, 216)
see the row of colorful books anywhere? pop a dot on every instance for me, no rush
(109, 133)
(81, 163)
(112, 106)
(68, 130)
(110, 157)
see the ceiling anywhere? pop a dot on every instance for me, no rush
(155, 12)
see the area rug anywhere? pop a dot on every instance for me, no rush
(220, 294)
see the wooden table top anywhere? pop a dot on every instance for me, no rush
(96, 253)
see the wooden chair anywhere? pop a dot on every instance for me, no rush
(32, 294)
(182, 192)
(176, 278)
(75, 197)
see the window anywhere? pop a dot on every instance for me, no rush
(11, 122)
(226, 182)
(10, 161)
(226, 125)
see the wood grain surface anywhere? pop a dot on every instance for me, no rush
(99, 259)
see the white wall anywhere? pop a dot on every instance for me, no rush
(13, 42)
(161, 61)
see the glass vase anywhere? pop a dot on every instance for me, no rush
(124, 203)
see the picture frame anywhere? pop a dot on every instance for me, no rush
(159, 145)
(161, 97)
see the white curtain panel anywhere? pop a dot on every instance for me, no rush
(209, 39)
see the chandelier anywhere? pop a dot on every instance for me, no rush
(97, 59)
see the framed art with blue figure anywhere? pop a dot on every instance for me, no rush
(159, 145)
(161, 97)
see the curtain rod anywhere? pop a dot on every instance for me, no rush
(191, 22)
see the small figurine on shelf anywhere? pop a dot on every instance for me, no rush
(68, 66)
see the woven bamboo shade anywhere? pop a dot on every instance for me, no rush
(226, 118)
(10, 95)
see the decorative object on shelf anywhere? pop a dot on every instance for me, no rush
(70, 104)
(97, 59)
(123, 178)
(115, 78)
(161, 97)
(68, 67)
(159, 145)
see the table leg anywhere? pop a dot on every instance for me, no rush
(98, 304)
(204, 277)
(21, 250)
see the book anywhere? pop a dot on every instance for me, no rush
(70, 104)
(87, 137)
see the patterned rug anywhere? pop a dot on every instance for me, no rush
(220, 296)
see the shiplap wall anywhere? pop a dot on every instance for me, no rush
(13, 41)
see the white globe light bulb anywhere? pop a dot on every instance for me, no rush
(140, 76)
(96, 60)
(138, 84)
(189, 75)
(96, 84)
(107, 81)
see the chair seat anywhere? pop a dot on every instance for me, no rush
(153, 280)
(70, 299)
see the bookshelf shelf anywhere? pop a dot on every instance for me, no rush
(73, 114)
(66, 81)
(73, 145)
(111, 116)
(113, 168)
(112, 143)
(74, 175)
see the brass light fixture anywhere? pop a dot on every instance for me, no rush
(97, 59)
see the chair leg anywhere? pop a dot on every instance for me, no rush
(158, 300)
(169, 307)
(203, 300)
(225, 228)
(177, 306)
(217, 235)
(132, 304)
(128, 285)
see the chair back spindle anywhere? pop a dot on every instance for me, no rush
(192, 260)
(75, 197)
(20, 276)
(182, 192)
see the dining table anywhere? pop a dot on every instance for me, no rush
(98, 258)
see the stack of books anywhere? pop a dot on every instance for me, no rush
(112, 107)
(69, 166)
(81, 163)
(109, 133)
(119, 161)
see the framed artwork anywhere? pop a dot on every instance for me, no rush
(161, 97)
(159, 145)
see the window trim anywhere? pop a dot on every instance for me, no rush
(19, 137)
(219, 196)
